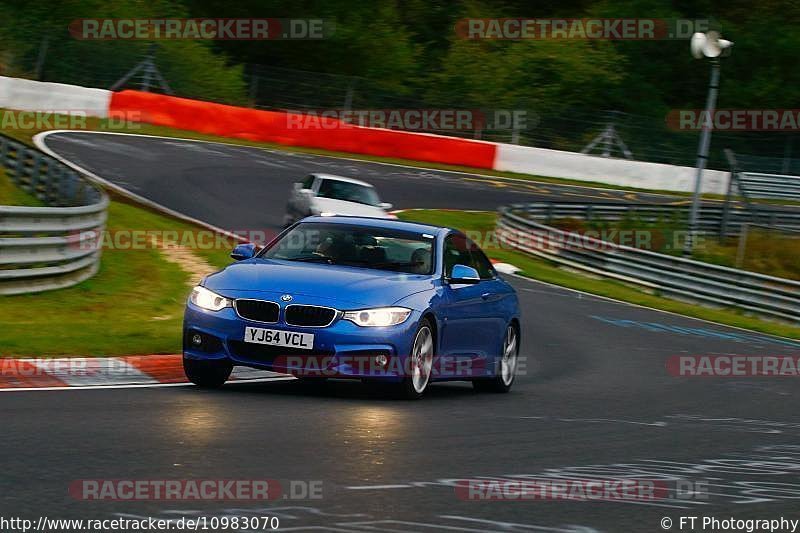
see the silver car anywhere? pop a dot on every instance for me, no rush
(327, 194)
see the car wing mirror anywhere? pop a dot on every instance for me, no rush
(463, 274)
(244, 251)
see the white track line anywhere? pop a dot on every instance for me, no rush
(140, 385)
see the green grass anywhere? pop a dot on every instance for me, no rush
(134, 305)
(770, 252)
(216, 253)
(766, 251)
(10, 194)
(550, 273)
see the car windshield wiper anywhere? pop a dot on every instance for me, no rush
(311, 259)
(387, 265)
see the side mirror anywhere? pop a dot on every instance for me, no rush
(385, 206)
(297, 186)
(244, 251)
(465, 275)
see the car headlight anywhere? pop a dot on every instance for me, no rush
(202, 297)
(382, 316)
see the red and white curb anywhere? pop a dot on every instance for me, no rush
(108, 372)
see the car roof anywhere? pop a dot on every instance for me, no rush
(383, 223)
(334, 177)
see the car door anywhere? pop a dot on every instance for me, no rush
(497, 298)
(468, 333)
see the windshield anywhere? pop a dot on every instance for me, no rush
(347, 191)
(344, 244)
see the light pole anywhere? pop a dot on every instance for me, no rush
(708, 45)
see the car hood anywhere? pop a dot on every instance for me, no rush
(342, 207)
(316, 283)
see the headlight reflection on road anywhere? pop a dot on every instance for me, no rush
(196, 423)
(370, 433)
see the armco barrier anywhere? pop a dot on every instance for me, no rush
(773, 186)
(675, 277)
(290, 129)
(40, 247)
(710, 221)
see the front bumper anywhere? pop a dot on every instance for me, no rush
(342, 349)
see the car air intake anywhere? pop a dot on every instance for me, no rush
(308, 315)
(257, 310)
(261, 353)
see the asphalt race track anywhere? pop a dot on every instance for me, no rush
(238, 187)
(595, 400)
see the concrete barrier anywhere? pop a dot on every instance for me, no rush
(28, 95)
(290, 129)
(622, 172)
(329, 134)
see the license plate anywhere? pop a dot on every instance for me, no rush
(275, 337)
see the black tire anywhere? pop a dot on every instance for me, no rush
(490, 385)
(406, 389)
(497, 384)
(208, 374)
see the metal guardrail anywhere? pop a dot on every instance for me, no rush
(763, 185)
(772, 186)
(520, 227)
(712, 217)
(45, 248)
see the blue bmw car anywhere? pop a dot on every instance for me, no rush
(393, 303)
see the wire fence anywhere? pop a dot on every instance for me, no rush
(646, 138)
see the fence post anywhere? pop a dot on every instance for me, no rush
(787, 156)
(740, 250)
(348, 97)
(726, 207)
